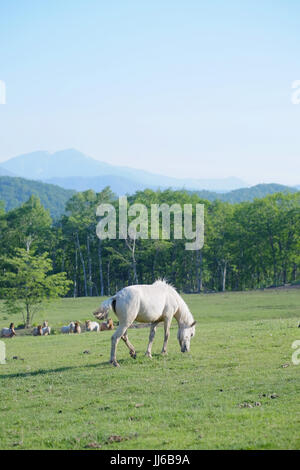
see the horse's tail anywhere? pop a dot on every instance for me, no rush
(109, 303)
(102, 312)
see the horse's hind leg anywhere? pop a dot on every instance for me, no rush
(114, 343)
(129, 345)
(151, 339)
(167, 325)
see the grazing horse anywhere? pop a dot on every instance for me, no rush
(158, 302)
(8, 332)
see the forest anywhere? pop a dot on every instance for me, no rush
(248, 245)
(15, 191)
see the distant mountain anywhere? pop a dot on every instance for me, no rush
(16, 191)
(71, 163)
(74, 171)
(246, 194)
(43, 165)
(118, 184)
(4, 172)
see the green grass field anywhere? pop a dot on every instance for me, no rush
(56, 397)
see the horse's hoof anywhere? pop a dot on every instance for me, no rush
(148, 355)
(115, 363)
(133, 355)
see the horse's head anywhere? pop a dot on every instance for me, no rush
(185, 333)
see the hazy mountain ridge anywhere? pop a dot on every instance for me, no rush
(48, 176)
(118, 184)
(67, 164)
(246, 194)
(4, 172)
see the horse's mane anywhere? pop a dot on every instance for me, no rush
(164, 282)
(185, 315)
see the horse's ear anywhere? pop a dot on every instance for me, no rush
(193, 324)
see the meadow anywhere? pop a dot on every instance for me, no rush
(236, 389)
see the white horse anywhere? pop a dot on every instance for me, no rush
(46, 330)
(92, 326)
(154, 303)
(68, 329)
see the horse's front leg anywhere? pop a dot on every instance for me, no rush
(129, 345)
(167, 325)
(114, 343)
(151, 339)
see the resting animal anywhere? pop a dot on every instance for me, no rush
(8, 332)
(107, 325)
(77, 328)
(68, 329)
(92, 326)
(46, 330)
(37, 331)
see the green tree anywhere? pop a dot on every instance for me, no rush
(26, 284)
(28, 226)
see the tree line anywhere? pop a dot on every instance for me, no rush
(14, 191)
(247, 245)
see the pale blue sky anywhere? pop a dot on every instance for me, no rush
(184, 88)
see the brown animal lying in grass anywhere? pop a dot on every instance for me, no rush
(107, 325)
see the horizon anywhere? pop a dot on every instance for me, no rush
(102, 161)
(202, 91)
(245, 184)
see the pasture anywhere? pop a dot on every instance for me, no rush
(236, 389)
